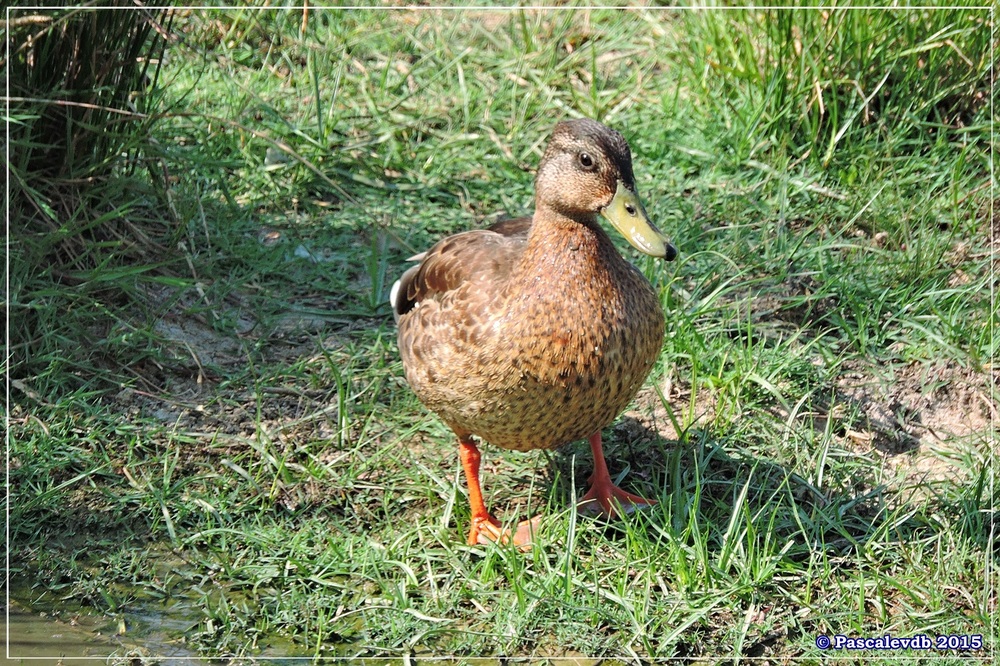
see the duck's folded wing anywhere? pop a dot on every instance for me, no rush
(516, 227)
(483, 256)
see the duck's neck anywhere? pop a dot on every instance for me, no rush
(563, 249)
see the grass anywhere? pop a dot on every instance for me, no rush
(232, 447)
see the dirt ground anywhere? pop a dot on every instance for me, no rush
(917, 418)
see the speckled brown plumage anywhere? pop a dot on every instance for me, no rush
(535, 332)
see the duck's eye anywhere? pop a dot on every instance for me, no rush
(586, 161)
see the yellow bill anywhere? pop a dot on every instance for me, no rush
(626, 214)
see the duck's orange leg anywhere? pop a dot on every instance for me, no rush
(605, 497)
(485, 528)
(481, 518)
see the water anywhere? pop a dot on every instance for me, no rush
(41, 638)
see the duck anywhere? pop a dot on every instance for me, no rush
(536, 332)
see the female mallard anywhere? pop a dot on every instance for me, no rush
(536, 332)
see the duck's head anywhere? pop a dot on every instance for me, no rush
(586, 171)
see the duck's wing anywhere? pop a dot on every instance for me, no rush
(516, 227)
(483, 256)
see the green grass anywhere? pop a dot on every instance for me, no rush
(221, 434)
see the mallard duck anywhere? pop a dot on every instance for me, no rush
(536, 332)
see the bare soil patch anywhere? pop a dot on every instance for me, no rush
(919, 418)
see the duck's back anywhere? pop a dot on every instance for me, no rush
(483, 257)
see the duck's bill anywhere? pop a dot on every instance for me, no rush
(626, 214)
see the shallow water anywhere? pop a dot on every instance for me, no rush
(41, 638)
